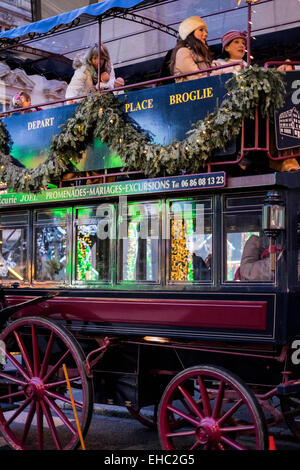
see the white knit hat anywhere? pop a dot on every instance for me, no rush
(189, 25)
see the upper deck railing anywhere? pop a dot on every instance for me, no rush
(216, 70)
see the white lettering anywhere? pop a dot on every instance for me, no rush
(296, 354)
(296, 94)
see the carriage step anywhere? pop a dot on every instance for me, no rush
(289, 389)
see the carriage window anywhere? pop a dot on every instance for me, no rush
(190, 241)
(50, 242)
(93, 243)
(246, 249)
(13, 247)
(139, 234)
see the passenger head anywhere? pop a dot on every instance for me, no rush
(234, 44)
(92, 58)
(25, 99)
(21, 100)
(194, 26)
(192, 34)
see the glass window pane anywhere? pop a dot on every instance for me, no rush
(190, 248)
(14, 219)
(51, 215)
(50, 253)
(246, 252)
(92, 254)
(13, 254)
(139, 235)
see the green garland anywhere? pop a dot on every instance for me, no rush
(100, 115)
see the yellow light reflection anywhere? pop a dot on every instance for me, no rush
(156, 339)
(14, 273)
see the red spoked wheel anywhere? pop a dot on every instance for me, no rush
(208, 408)
(145, 416)
(35, 404)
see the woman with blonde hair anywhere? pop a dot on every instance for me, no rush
(85, 78)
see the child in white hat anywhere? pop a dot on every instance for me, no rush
(191, 52)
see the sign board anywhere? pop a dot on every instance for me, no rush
(166, 113)
(287, 119)
(120, 188)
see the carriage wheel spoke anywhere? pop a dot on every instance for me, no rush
(18, 411)
(28, 422)
(40, 429)
(190, 401)
(57, 396)
(12, 395)
(230, 412)
(56, 366)
(24, 352)
(51, 425)
(35, 351)
(195, 445)
(47, 355)
(180, 434)
(17, 365)
(240, 428)
(61, 382)
(183, 415)
(235, 445)
(204, 396)
(219, 400)
(61, 415)
(12, 378)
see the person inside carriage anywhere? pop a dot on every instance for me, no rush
(255, 262)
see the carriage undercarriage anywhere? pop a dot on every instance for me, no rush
(196, 404)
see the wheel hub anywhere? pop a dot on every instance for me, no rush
(35, 388)
(208, 431)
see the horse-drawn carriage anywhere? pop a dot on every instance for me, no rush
(127, 291)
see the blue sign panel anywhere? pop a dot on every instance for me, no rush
(165, 113)
(287, 119)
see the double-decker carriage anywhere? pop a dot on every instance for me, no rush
(174, 294)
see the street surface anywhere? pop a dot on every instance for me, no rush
(113, 429)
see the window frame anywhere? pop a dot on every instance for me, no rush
(35, 225)
(211, 213)
(243, 207)
(19, 225)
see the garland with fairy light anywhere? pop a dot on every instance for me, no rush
(100, 115)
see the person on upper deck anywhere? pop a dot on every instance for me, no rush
(23, 100)
(85, 78)
(191, 52)
(234, 49)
